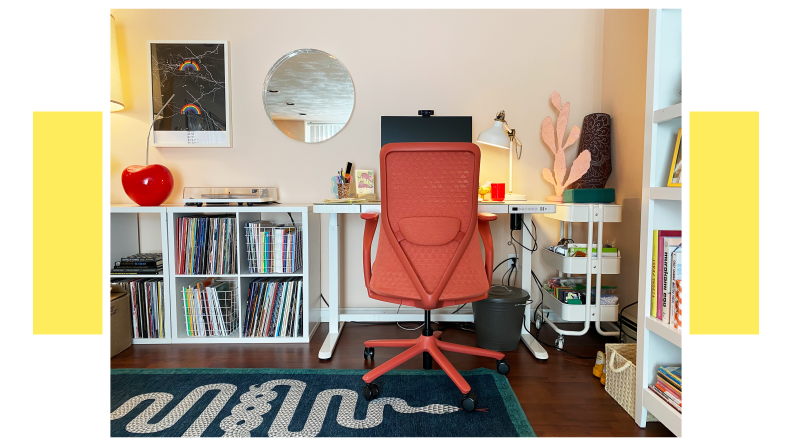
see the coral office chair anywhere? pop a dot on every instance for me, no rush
(428, 254)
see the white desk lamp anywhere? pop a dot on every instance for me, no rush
(501, 135)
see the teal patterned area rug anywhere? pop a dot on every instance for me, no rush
(308, 403)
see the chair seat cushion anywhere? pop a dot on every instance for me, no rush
(389, 278)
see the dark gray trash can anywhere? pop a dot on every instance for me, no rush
(498, 318)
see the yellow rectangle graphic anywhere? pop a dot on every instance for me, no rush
(67, 223)
(724, 222)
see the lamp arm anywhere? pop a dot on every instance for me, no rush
(152, 125)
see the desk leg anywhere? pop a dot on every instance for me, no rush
(326, 352)
(535, 347)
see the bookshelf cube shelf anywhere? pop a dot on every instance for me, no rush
(659, 344)
(154, 229)
(135, 229)
(277, 214)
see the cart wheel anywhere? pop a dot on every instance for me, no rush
(559, 343)
(538, 322)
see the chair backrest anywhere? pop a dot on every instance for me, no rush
(429, 208)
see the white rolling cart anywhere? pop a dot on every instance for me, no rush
(567, 214)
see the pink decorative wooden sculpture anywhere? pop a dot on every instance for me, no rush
(549, 135)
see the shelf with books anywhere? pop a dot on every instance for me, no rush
(658, 343)
(134, 230)
(662, 411)
(305, 249)
(666, 331)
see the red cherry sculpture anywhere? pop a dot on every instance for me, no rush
(147, 185)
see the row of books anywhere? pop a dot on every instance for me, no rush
(667, 277)
(209, 308)
(142, 263)
(275, 307)
(273, 248)
(146, 297)
(669, 386)
(206, 245)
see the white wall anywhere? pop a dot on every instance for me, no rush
(624, 98)
(456, 62)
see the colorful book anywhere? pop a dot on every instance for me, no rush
(653, 309)
(669, 245)
(657, 270)
(676, 262)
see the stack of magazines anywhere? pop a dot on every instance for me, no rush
(148, 306)
(275, 307)
(139, 264)
(210, 308)
(206, 245)
(669, 386)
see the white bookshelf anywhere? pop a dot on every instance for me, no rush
(661, 208)
(126, 239)
(135, 229)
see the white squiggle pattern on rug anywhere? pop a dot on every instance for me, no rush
(140, 425)
(247, 415)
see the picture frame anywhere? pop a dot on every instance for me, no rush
(364, 183)
(675, 173)
(196, 73)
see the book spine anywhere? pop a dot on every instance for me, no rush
(664, 277)
(653, 311)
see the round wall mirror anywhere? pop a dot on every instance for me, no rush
(308, 95)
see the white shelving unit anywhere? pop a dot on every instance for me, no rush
(592, 267)
(126, 238)
(661, 208)
(135, 229)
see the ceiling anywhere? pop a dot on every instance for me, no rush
(315, 82)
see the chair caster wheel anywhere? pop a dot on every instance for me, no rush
(559, 343)
(469, 402)
(503, 366)
(368, 353)
(370, 391)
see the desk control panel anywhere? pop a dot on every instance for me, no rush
(532, 208)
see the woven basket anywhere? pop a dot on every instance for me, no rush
(620, 376)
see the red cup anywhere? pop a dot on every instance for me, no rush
(498, 191)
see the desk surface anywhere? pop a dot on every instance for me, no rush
(494, 207)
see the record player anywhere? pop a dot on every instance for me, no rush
(241, 196)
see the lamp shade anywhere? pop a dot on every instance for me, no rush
(495, 136)
(116, 90)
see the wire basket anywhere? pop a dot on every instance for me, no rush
(210, 309)
(273, 248)
(620, 376)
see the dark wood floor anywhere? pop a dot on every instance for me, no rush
(560, 396)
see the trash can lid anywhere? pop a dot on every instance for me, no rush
(507, 295)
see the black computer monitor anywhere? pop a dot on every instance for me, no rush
(431, 129)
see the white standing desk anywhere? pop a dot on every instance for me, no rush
(337, 319)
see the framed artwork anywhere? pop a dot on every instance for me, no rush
(195, 73)
(364, 183)
(675, 175)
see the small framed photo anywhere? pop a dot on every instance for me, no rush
(675, 175)
(364, 183)
(193, 74)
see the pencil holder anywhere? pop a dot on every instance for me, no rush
(343, 190)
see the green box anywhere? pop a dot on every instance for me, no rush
(590, 196)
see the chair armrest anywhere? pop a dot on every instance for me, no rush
(368, 235)
(486, 238)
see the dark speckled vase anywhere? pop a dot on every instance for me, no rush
(595, 136)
